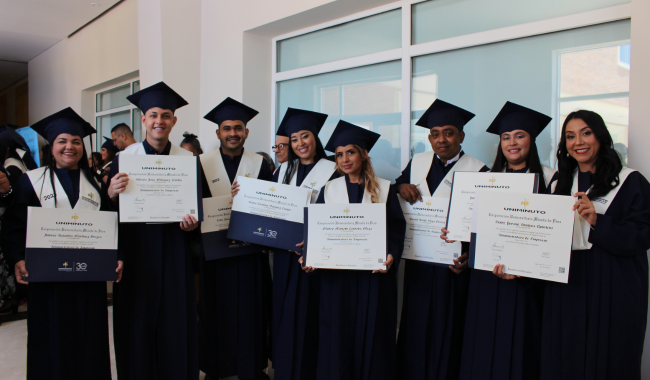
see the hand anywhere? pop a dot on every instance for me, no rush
(234, 189)
(120, 268)
(500, 271)
(189, 223)
(388, 263)
(585, 208)
(299, 245)
(5, 186)
(410, 193)
(20, 271)
(444, 234)
(118, 185)
(460, 264)
(306, 269)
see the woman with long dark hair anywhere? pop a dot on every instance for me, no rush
(358, 308)
(295, 293)
(594, 326)
(503, 322)
(68, 321)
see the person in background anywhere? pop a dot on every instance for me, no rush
(191, 143)
(281, 149)
(46, 155)
(268, 159)
(122, 136)
(108, 151)
(95, 160)
(8, 301)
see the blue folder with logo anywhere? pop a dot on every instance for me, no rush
(262, 230)
(70, 265)
(217, 245)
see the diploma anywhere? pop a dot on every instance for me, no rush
(268, 213)
(346, 236)
(531, 234)
(463, 190)
(424, 220)
(70, 245)
(214, 230)
(161, 189)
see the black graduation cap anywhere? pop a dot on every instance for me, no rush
(513, 116)
(11, 138)
(159, 95)
(230, 109)
(441, 113)
(300, 120)
(346, 133)
(64, 121)
(109, 145)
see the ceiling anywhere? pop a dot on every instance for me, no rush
(29, 27)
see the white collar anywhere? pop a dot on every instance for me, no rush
(453, 159)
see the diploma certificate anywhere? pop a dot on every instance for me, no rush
(70, 245)
(463, 190)
(214, 229)
(530, 233)
(424, 220)
(268, 213)
(161, 189)
(347, 236)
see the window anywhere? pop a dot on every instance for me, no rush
(112, 108)
(597, 79)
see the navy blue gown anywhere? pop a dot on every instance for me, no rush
(68, 321)
(154, 306)
(235, 305)
(594, 326)
(358, 309)
(430, 338)
(502, 337)
(296, 298)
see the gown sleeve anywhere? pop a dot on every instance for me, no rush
(395, 227)
(14, 222)
(629, 233)
(114, 169)
(406, 175)
(265, 172)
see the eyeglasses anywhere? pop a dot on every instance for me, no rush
(279, 146)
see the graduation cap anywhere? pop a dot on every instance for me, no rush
(346, 133)
(230, 109)
(300, 120)
(64, 121)
(159, 95)
(109, 145)
(441, 113)
(12, 139)
(513, 116)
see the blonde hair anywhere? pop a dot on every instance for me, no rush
(367, 174)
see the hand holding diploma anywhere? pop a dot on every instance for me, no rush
(410, 193)
(118, 185)
(585, 208)
(460, 264)
(189, 223)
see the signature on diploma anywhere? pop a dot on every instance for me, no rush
(138, 201)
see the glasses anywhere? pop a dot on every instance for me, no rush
(279, 146)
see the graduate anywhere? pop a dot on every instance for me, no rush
(17, 144)
(358, 309)
(68, 321)
(235, 298)
(296, 293)
(108, 152)
(594, 326)
(154, 312)
(433, 310)
(502, 329)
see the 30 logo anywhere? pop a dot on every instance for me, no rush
(81, 267)
(272, 234)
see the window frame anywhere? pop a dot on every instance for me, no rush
(129, 107)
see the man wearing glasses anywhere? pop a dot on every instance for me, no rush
(281, 149)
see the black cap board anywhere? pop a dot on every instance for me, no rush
(300, 120)
(12, 139)
(64, 121)
(158, 95)
(513, 116)
(346, 133)
(230, 109)
(441, 113)
(109, 145)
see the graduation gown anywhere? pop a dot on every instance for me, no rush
(358, 308)
(502, 337)
(594, 326)
(67, 321)
(429, 343)
(154, 312)
(235, 305)
(296, 299)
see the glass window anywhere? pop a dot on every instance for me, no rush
(438, 19)
(107, 122)
(598, 79)
(113, 98)
(369, 96)
(137, 125)
(482, 78)
(353, 39)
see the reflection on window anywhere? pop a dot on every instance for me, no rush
(598, 80)
(107, 122)
(368, 96)
(113, 98)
